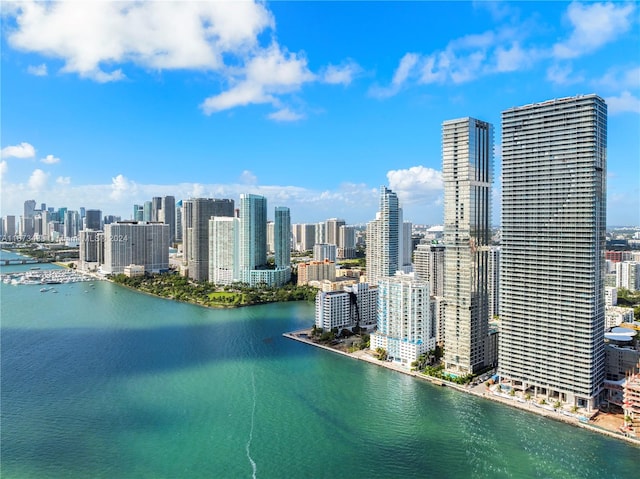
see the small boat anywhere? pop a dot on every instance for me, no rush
(44, 290)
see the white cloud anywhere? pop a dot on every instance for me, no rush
(341, 74)
(285, 114)
(617, 78)
(38, 180)
(91, 36)
(594, 25)
(248, 178)
(511, 59)
(271, 72)
(23, 150)
(4, 167)
(63, 180)
(38, 70)
(405, 69)
(416, 184)
(50, 160)
(121, 186)
(625, 102)
(563, 75)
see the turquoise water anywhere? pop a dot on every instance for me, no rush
(105, 382)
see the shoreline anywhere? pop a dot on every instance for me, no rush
(363, 355)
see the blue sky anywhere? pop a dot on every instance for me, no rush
(314, 105)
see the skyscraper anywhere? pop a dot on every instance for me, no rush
(253, 234)
(553, 243)
(93, 219)
(282, 235)
(332, 230)
(223, 249)
(197, 212)
(467, 161)
(168, 216)
(383, 235)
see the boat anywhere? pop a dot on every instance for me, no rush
(35, 268)
(44, 290)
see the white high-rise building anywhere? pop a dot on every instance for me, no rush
(429, 266)
(139, 243)
(552, 292)
(467, 170)
(196, 215)
(224, 234)
(628, 275)
(383, 236)
(323, 251)
(346, 242)
(405, 326)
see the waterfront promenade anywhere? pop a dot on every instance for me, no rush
(480, 390)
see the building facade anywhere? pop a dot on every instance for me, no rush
(224, 234)
(552, 297)
(405, 326)
(197, 213)
(383, 238)
(467, 170)
(132, 242)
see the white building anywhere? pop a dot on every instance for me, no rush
(324, 251)
(133, 242)
(354, 305)
(223, 249)
(610, 296)
(405, 326)
(628, 275)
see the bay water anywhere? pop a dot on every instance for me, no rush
(104, 382)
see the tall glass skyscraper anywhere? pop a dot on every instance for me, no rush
(253, 233)
(282, 236)
(553, 242)
(467, 170)
(383, 236)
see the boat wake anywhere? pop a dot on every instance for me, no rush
(253, 414)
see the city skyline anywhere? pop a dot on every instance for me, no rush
(312, 105)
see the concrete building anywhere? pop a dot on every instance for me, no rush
(467, 170)
(383, 238)
(321, 236)
(316, 271)
(405, 326)
(429, 266)
(332, 231)
(628, 275)
(552, 293)
(304, 236)
(91, 249)
(324, 251)
(346, 242)
(93, 220)
(168, 215)
(197, 213)
(610, 296)
(224, 238)
(354, 305)
(132, 242)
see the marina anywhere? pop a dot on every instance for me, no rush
(48, 276)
